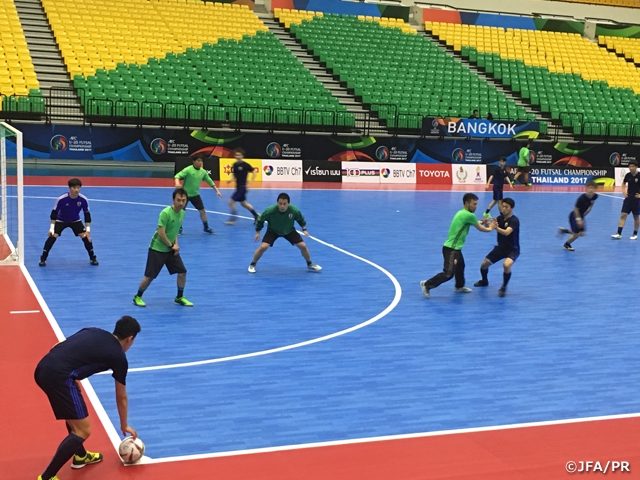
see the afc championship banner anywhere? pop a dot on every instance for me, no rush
(573, 176)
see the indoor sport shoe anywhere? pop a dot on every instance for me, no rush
(481, 283)
(314, 268)
(94, 261)
(138, 302)
(486, 215)
(43, 262)
(569, 247)
(209, 231)
(633, 237)
(463, 290)
(502, 292)
(52, 478)
(252, 269)
(616, 236)
(528, 184)
(425, 290)
(563, 231)
(88, 459)
(182, 301)
(230, 222)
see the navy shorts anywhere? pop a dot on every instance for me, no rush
(64, 396)
(156, 260)
(498, 194)
(77, 227)
(631, 205)
(270, 237)
(240, 195)
(574, 224)
(196, 202)
(499, 253)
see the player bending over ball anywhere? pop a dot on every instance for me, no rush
(631, 204)
(89, 351)
(193, 177)
(280, 218)
(241, 170)
(508, 227)
(583, 206)
(452, 249)
(498, 178)
(165, 251)
(66, 214)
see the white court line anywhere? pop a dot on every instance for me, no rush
(18, 312)
(91, 393)
(611, 196)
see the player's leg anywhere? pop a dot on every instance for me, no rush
(484, 273)
(234, 212)
(623, 218)
(58, 227)
(155, 262)
(72, 443)
(295, 239)
(79, 230)
(459, 274)
(267, 241)
(175, 265)
(636, 225)
(448, 270)
(249, 207)
(506, 275)
(486, 213)
(575, 231)
(198, 204)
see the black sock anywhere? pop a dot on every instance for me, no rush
(254, 263)
(567, 244)
(89, 247)
(254, 213)
(505, 279)
(635, 232)
(140, 292)
(484, 272)
(71, 444)
(180, 292)
(47, 247)
(205, 224)
(487, 210)
(619, 230)
(309, 262)
(81, 452)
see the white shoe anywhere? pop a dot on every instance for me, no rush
(616, 236)
(314, 267)
(463, 290)
(425, 290)
(633, 237)
(252, 269)
(230, 222)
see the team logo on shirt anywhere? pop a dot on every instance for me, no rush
(158, 146)
(385, 172)
(382, 154)
(79, 204)
(274, 150)
(268, 170)
(291, 215)
(59, 143)
(615, 159)
(457, 155)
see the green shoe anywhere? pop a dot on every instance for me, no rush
(138, 302)
(88, 459)
(486, 215)
(182, 301)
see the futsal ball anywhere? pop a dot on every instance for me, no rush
(130, 450)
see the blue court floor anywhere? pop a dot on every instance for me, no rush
(562, 344)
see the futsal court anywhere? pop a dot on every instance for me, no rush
(347, 373)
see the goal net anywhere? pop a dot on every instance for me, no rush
(11, 193)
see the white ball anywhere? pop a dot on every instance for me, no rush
(130, 450)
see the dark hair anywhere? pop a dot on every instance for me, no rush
(179, 191)
(502, 159)
(75, 182)
(591, 183)
(468, 197)
(509, 201)
(197, 156)
(631, 162)
(239, 150)
(126, 327)
(284, 196)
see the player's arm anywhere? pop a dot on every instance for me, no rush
(490, 180)
(52, 225)
(625, 188)
(162, 234)
(122, 400)
(480, 226)
(212, 184)
(253, 177)
(259, 224)
(179, 176)
(504, 231)
(509, 180)
(303, 223)
(87, 220)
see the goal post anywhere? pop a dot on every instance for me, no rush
(12, 196)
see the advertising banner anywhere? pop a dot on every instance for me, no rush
(433, 174)
(360, 172)
(282, 170)
(210, 164)
(620, 173)
(318, 171)
(469, 174)
(226, 168)
(397, 172)
(479, 128)
(571, 176)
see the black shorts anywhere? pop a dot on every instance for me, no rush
(270, 237)
(77, 227)
(196, 202)
(156, 260)
(498, 194)
(499, 253)
(240, 195)
(64, 396)
(631, 205)
(524, 169)
(574, 224)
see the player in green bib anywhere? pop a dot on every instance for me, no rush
(281, 218)
(193, 177)
(452, 249)
(164, 250)
(523, 163)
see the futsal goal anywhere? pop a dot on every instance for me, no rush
(12, 196)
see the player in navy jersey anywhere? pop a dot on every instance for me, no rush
(508, 227)
(241, 170)
(631, 204)
(66, 214)
(583, 206)
(89, 351)
(498, 178)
